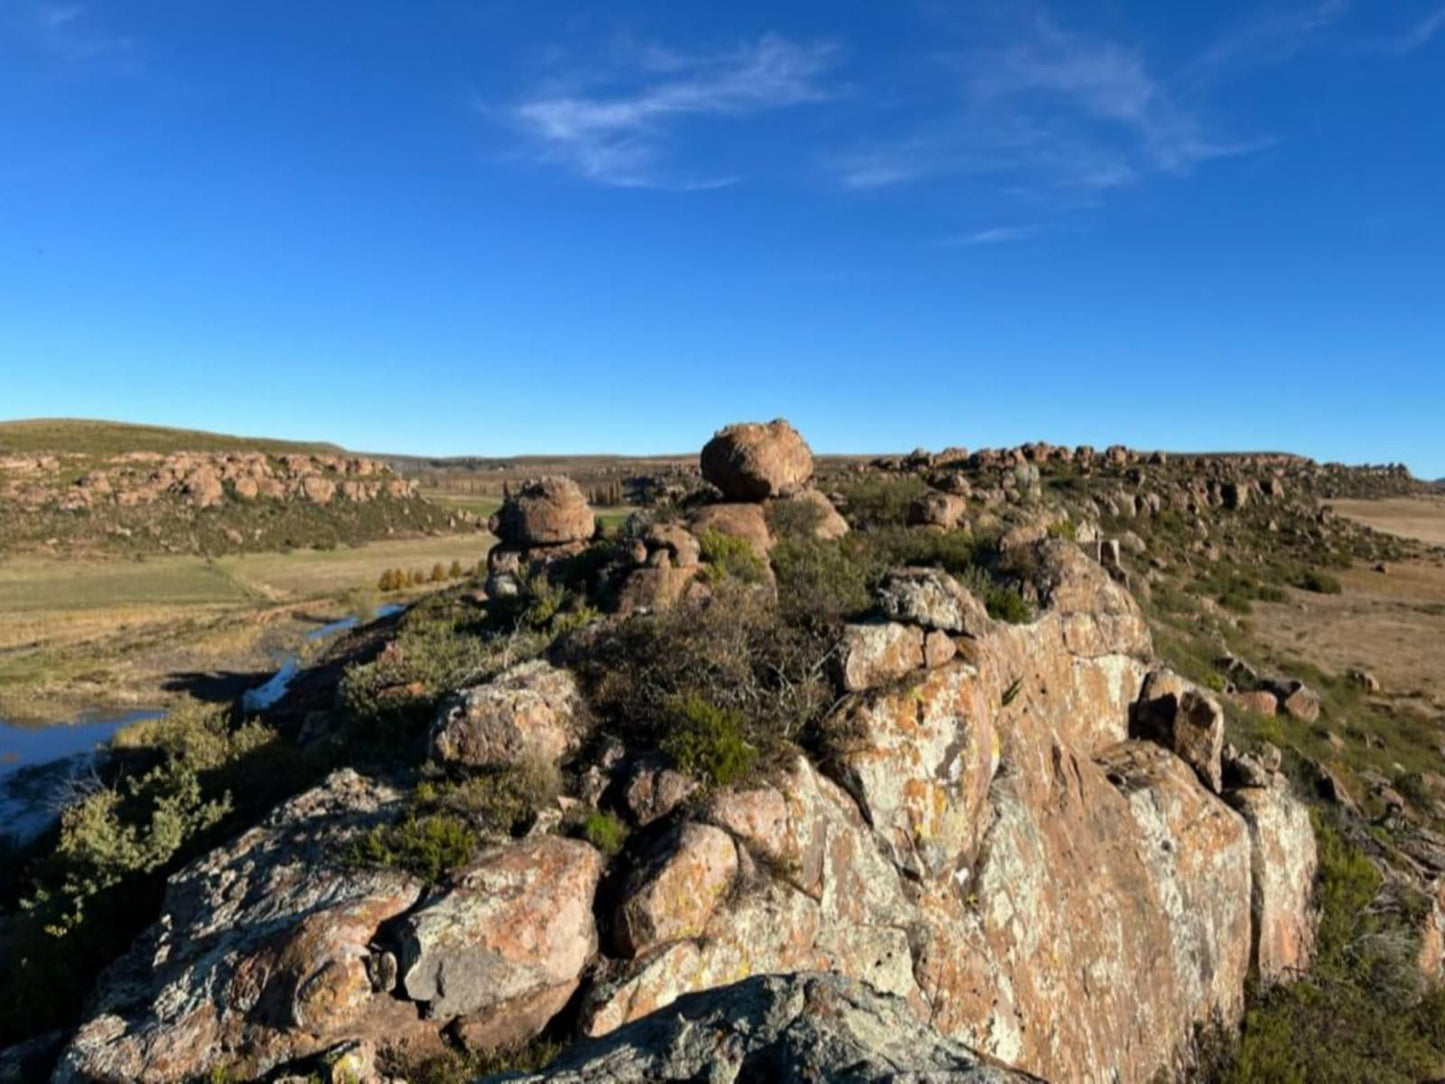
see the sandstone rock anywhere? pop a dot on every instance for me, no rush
(261, 951)
(1283, 864)
(543, 513)
(797, 1027)
(681, 545)
(675, 896)
(534, 711)
(753, 462)
(1296, 699)
(203, 487)
(933, 599)
(655, 588)
(653, 792)
(512, 933)
(935, 509)
(1258, 701)
(745, 521)
(875, 654)
(1181, 718)
(318, 489)
(938, 649)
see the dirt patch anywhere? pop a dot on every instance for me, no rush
(1390, 624)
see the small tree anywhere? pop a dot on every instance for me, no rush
(438, 572)
(387, 582)
(456, 572)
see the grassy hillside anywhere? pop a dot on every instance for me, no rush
(70, 436)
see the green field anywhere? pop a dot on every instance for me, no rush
(67, 436)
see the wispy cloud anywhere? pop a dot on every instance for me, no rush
(996, 235)
(1273, 35)
(1416, 37)
(623, 137)
(1050, 111)
(69, 31)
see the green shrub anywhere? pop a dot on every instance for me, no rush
(733, 652)
(793, 519)
(820, 581)
(1321, 583)
(1064, 528)
(729, 557)
(881, 501)
(505, 798)
(1358, 1017)
(429, 846)
(709, 742)
(605, 831)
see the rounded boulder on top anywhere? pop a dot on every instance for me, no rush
(751, 461)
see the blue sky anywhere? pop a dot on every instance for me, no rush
(507, 227)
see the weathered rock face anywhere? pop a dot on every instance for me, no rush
(753, 462)
(531, 712)
(1284, 861)
(997, 853)
(512, 935)
(1178, 715)
(676, 896)
(547, 512)
(803, 1027)
(263, 953)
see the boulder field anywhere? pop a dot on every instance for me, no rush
(1020, 857)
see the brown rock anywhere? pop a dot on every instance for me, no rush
(1258, 701)
(938, 649)
(675, 895)
(830, 525)
(545, 512)
(933, 599)
(681, 545)
(935, 509)
(1283, 864)
(875, 654)
(745, 521)
(653, 792)
(534, 711)
(1181, 718)
(511, 935)
(753, 462)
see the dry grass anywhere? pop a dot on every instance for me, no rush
(88, 633)
(1421, 518)
(1392, 625)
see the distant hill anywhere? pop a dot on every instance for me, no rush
(74, 436)
(100, 487)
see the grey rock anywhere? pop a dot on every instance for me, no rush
(812, 1026)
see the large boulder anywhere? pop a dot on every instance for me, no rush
(546, 512)
(797, 1027)
(753, 462)
(504, 946)
(745, 521)
(532, 712)
(991, 848)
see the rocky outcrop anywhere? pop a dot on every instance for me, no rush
(995, 851)
(753, 462)
(802, 1027)
(262, 955)
(276, 947)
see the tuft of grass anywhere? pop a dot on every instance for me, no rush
(429, 846)
(605, 831)
(709, 742)
(729, 557)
